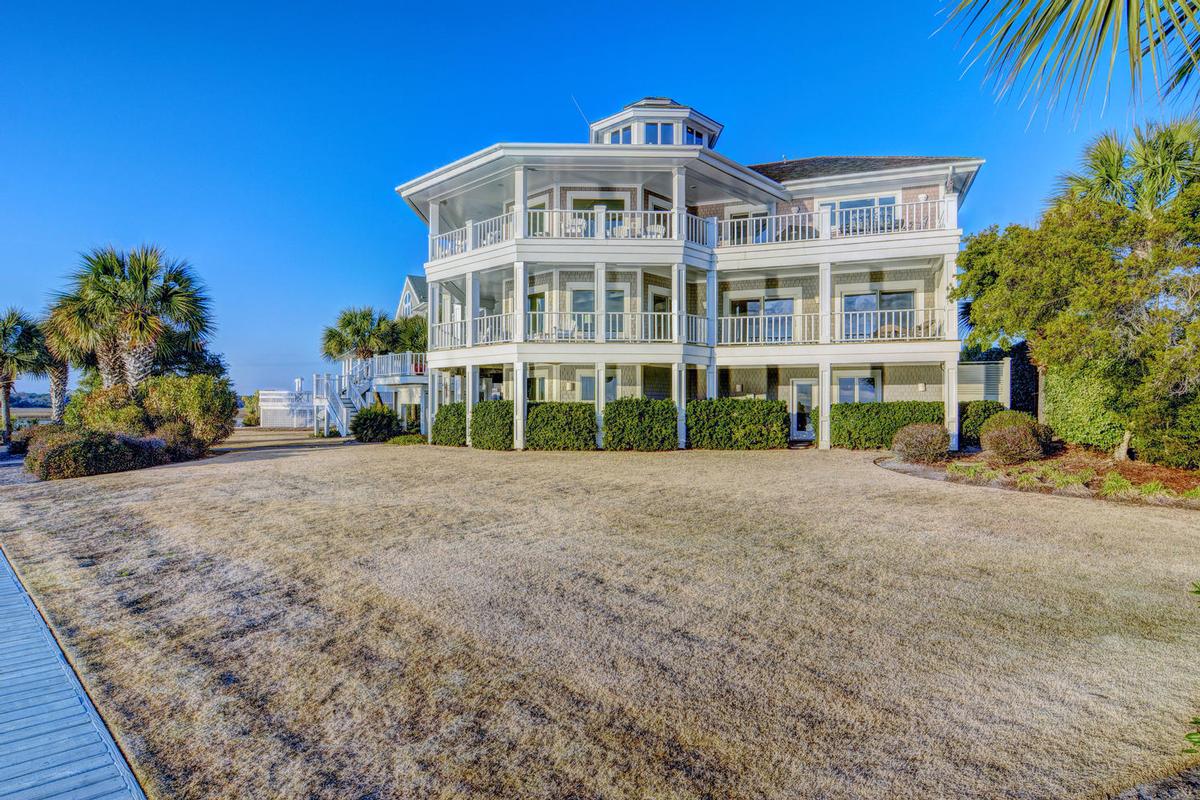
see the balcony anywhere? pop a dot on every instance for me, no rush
(811, 226)
(562, 224)
(896, 325)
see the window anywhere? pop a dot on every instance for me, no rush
(612, 380)
(614, 305)
(621, 135)
(587, 388)
(859, 388)
(861, 215)
(583, 303)
(535, 389)
(407, 304)
(693, 136)
(660, 133)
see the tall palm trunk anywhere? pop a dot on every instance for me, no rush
(139, 361)
(60, 373)
(5, 411)
(110, 364)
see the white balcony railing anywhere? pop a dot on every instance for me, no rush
(448, 335)
(391, 365)
(769, 329)
(450, 243)
(697, 329)
(638, 326)
(887, 326)
(768, 230)
(638, 224)
(920, 216)
(493, 231)
(698, 231)
(560, 326)
(494, 329)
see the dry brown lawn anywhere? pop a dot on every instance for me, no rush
(354, 621)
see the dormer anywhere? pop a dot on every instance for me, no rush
(657, 120)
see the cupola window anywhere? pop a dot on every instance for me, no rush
(693, 136)
(660, 133)
(621, 135)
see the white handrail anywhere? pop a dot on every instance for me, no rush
(448, 335)
(638, 224)
(697, 231)
(450, 243)
(494, 328)
(638, 326)
(769, 329)
(922, 215)
(560, 326)
(798, 227)
(888, 325)
(493, 231)
(389, 365)
(697, 329)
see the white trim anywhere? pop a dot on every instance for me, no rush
(855, 372)
(625, 193)
(791, 401)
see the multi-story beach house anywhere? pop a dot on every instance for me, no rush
(643, 262)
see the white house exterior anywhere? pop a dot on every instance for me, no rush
(644, 262)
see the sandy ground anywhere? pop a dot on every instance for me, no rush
(375, 621)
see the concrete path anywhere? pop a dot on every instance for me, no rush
(52, 742)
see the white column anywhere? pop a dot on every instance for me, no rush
(950, 398)
(601, 290)
(520, 299)
(432, 397)
(712, 305)
(601, 397)
(679, 201)
(600, 212)
(824, 392)
(470, 395)
(471, 301)
(679, 303)
(949, 281)
(952, 210)
(679, 393)
(825, 301)
(435, 224)
(425, 422)
(519, 405)
(520, 193)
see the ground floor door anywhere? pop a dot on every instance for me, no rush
(802, 400)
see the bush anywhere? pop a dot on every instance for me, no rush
(375, 424)
(250, 415)
(179, 442)
(972, 415)
(112, 410)
(733, 424)
(205, 403)
(21, 439)
(492, 425)
(921, 443)
(450, 425)
(75, 454)
(1011, 444)
(561, 426)
(1079, 407)
(406, 439)
(874, 425)
(1116, 485)
(639, 423)
(1168, 432)
(1005, 419)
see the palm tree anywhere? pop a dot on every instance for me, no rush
(1142, 174)
(1052, 47)
(123, 306)
(360, 333)
(19, 355)
(58, 355)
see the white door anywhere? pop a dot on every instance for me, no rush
(803, 399)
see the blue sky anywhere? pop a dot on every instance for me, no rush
(262, 141)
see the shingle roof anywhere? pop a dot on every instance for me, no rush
(656, 102)
(821, 166)
(419, 286)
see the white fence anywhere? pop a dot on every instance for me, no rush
(285, 409)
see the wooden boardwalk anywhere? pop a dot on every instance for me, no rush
(52, 742)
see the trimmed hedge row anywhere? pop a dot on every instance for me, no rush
(450, 425)
(560, 426)
(492, 425)
(733, 424)
(872, 426)
(75, 454)
(638, 423)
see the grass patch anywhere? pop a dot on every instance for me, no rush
(407, 439)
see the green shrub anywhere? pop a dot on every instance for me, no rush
(1010, 444)
(179, 442)
(921, 443)
(450, 425)
(407, 439)
(77, 453)
(639, 423)
(375, 424)
(869, 426)
(492, 425)
(205, 403)
(1079, 407)
(1168, 432)
(973, 473)
(23, 438)
(112, 410)
(737, 424)
(1027, 480)
(1004, 419)
(250, 415)
(972, 415)
(561, 426)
